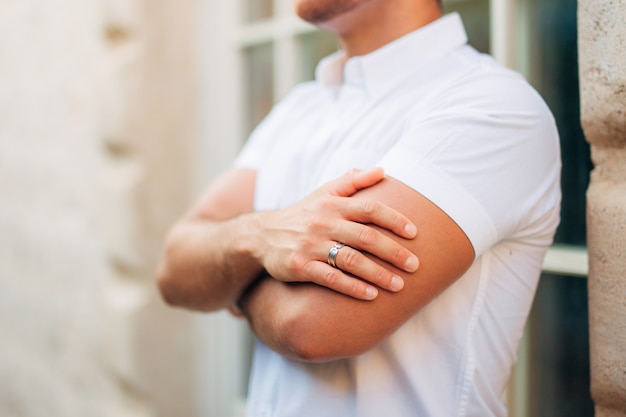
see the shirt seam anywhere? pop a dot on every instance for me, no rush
(466, 383)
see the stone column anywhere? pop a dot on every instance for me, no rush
(602, 51)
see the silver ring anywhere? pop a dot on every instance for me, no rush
(332, 254)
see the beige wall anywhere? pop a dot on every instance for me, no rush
(97, 125)
(602, 44)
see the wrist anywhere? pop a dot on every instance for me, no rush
(248, 238)
(243, 302)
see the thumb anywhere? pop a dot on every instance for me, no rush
(354, 180)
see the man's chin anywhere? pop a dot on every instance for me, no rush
(319, 12)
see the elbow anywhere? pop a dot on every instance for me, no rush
(304, 348)
(308, 338)
(166, 284)
(181, 279)
(174, 291)
(177, 288)
(167, 278)
(302, 345)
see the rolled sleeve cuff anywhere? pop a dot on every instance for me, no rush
(445, 192)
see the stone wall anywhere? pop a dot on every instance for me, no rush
(97, 126)
(602, 44)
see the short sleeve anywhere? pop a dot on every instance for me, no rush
(489, 160)
(255, 150)
(252, 153)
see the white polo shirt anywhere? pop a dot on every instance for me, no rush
(478, 141)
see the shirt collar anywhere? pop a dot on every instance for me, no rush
(380, 70)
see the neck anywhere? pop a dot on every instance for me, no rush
(377, 26)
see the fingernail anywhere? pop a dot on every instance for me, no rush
(411, 264)
(397, 283)
(371, 293)
(410, 230)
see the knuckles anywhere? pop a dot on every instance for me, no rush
(381, 277)
(297, 263)
(369, 208)
(399, 256)
(356, 287)
(330, 278)
(367, 236)
(316, 222)
(327, 203)
(306, 243)
(351, 259)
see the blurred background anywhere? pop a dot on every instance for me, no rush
(114, 114)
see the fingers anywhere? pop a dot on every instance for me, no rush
(353, 181)
(329, 215)
(368, 211)
(355, 263)
(335, 279)
(367, 239)
(355, 275)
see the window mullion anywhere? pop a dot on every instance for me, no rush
(284, 64)
(503, 31)
(284, 50)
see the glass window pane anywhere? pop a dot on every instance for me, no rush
(558, 377)
(551, 36)
(558, 326)
(475, 15)
(255, 10)
(259, 77)
(313, 47)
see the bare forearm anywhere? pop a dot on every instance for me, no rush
(309, 323)
(216, 252)
(206, 265)
(272, 309)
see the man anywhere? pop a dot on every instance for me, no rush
(371, 294)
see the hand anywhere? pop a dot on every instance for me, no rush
(296, 240)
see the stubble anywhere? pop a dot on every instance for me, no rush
(320, 11)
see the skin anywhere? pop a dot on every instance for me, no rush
(221, 246)
(309, 323)
(363, 26)
(273, 264)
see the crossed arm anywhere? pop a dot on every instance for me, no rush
(275, 263)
